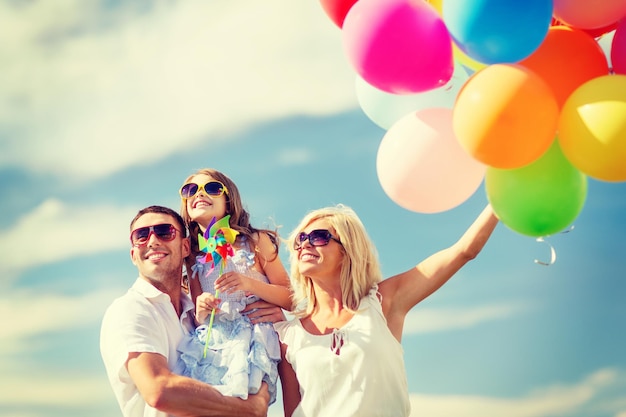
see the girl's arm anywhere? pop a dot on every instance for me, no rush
(403, 291)
(278, 291)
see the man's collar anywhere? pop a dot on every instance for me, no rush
(146, 289)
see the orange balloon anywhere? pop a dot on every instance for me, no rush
(505, 116)
(592, 128)
(566, 59)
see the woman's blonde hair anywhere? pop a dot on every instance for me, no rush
(360, 269)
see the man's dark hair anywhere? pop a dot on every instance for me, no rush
(163, 210)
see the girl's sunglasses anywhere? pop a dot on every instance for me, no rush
(165, 232)
(318, 237)
(212, 188)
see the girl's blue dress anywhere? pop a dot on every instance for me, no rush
(240, 355)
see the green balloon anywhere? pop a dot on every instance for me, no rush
(539, 199)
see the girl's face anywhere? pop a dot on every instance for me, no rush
(320, 261)
(203, 207)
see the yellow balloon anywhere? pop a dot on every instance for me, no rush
(437, 4)
(592, 128)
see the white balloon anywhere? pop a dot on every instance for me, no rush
(385, 108)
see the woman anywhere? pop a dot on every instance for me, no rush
(342, 354)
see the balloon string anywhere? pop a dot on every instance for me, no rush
(552, 250)
(208, 333)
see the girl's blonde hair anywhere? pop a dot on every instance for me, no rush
(360, 268)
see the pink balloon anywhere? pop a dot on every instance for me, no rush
(398, 46)
(421, 165)
(586, 14)
(618, 49)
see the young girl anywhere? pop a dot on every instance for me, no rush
(240, 355)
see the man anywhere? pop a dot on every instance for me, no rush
(141, 330)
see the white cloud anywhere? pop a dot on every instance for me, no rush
(54, 390)
(119, 86)
(294, 156)
(56, 231)
(433, 320)
(542, 402)
(47, 313)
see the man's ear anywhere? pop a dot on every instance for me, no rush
(132, 255)
(186, 247)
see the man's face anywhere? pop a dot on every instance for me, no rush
(160, 260)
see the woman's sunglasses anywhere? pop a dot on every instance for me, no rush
(140, 236)
(212, 188)
(318, 237)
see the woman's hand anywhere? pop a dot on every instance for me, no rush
(205, 303)
(264, 312)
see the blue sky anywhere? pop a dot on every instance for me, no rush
(107, 106)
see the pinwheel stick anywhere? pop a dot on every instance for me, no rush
(216, 242)
(208, 332)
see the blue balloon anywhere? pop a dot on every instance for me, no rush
(498, 31)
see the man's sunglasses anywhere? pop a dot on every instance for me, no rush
(212, 188)
(140, 236)
(318, 237)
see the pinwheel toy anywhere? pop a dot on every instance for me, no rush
(217, 244)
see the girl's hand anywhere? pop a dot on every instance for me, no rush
(234, 281)
(205, 303)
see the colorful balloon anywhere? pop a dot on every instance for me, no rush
(585, 14)
(421, 166)
(539, 199)
(496, 31)
(385, 109)
(337, 10)
(592, 128)
(566, 59)
(594, 33)
(437, 4)
(618, 48)
(505, 116)
(466, 61)
(398, 46)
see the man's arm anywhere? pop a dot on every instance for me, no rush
(186, 397)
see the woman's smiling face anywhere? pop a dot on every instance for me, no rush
(320, 261)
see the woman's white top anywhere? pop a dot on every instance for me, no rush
(357, 370)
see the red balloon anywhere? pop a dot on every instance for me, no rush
(337, 9)
(566, 59)
(594, 33)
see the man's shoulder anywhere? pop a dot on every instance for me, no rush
(131, 300)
